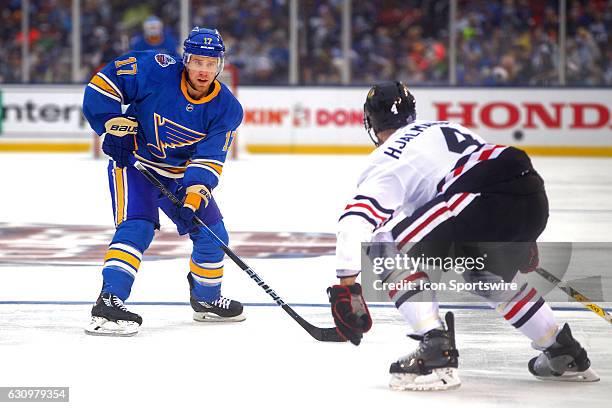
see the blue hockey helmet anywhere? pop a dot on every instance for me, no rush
(153, 27)
(205, 42)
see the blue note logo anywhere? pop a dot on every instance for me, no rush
(171, 135)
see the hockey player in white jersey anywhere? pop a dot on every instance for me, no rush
(430, 185)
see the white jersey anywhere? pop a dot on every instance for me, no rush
(414, 165)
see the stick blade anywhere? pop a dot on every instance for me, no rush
(327, 334)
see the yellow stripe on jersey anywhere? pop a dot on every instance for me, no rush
(217, 167)
(173, 170)
(101, 83)
(203, 272)
(209, 165)
(167, 168)
(123, 256)
(119, 196)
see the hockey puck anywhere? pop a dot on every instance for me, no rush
(518, 135)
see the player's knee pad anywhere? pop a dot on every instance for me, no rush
(136, 233)
(220, 231)
(204, 245)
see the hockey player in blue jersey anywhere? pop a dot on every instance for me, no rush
(180, 124)
(154, 37)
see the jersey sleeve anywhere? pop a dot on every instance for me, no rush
(207, 163)
(376, 199)
(115, 85)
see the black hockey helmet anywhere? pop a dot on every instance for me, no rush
(389, 105)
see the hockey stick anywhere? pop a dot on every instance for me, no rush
(574, 294)
(319, 333)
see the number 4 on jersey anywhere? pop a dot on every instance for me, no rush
(458, 142)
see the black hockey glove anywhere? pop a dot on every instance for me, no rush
(120, 139)
(350, 311)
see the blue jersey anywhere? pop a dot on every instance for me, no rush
(178, 136)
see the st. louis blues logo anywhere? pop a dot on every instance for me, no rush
(164, 60)
(170, 135)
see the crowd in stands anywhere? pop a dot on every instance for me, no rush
(110, 27)
(499, 42)
(256, 36)
(404, 39)
(516, 42)
(48, 38)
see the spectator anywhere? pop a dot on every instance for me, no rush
(155, 37)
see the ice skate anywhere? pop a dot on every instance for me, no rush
(110, 317)
(565, 360)
(220, 310)
(432, 366)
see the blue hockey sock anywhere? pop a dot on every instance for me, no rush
(206, 278)
(118, 282)
(206, 263)
(124, 255)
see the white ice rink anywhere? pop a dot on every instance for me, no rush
(268, 360)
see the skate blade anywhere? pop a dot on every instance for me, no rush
(206, 317)
(440, 379)
(100, 326)
(588, 375)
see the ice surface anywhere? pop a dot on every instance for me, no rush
(268, 360)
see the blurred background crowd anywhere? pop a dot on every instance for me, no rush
(498, 42)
